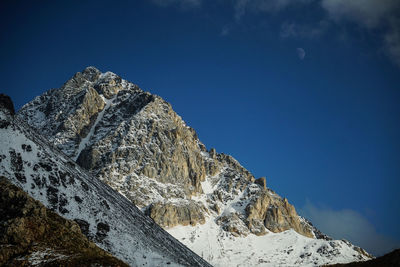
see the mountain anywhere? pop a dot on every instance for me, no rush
(134, 141)
(31, 234)
(106, 217)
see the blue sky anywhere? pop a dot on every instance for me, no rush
(303, 92)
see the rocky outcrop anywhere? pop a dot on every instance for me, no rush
(275, 213)
(168, 214)
(262, 182)
(31, 234)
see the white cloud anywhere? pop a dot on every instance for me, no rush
(369, 13)
(392, 41)
(185, 4)
(350, 225)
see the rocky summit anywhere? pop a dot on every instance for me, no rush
(135, 142)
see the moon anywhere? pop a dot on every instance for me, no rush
(301, 53)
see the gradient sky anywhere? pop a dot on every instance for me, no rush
(303, 92)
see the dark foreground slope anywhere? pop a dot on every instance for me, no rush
(391, 259)
(104, 216)
(31, 234)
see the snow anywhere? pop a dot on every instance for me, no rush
(288, 248)
(84, 142)
(222, 248)
(208, 188)
(45, 256)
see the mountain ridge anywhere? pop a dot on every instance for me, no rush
(135, 142)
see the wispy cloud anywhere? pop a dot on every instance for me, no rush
(255, 6)
(379, 16)
(184, 4)
(392, 41)
(294, 30)
(351, 225)
(369, 13)
(372, 15)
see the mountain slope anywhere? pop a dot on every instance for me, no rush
(391, 259)
(104, 216)
(135, 142)
(31, 234)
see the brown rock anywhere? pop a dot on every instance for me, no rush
(234, 224)
(262, 181)
(276, 214)
(171, 214)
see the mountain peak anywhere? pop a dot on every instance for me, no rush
(93, 74)
(90, 70)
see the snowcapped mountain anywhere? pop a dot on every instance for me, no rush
(104, 216)
(135, 142)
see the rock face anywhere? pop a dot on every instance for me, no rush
(32, 234)
(167, 214)
(135, 142)
(104, 216)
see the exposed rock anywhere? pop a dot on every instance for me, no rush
(31, 233)
(172, 214)
(276, 214)
(231, 222)
(262, 182)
